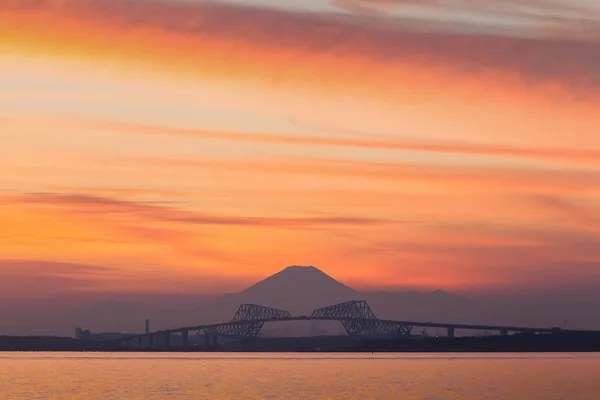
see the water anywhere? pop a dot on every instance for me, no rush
(122, 376)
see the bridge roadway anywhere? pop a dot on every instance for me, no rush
(497, 328)
(356, 317)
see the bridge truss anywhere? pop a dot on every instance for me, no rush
(359, 320)
(356, 317)
(249, 320)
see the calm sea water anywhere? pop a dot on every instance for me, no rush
(121, 376)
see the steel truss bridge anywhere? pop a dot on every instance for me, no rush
(356, 317)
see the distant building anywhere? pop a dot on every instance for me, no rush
(98, 337)
(83, 334)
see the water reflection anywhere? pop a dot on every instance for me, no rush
(123, 376)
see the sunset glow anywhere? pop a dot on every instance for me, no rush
(192, 146)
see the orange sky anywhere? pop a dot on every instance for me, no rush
(196, 147)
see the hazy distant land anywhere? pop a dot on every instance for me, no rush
(297, 289)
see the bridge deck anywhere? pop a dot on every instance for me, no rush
(355, 316)
(379, 321)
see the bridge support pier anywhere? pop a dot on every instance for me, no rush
(185, 339)
(140, 343)
(450, 332)
(166, 341)
(211, 340)
(150, 341)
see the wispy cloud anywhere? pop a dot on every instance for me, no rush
(43, 277)
(518, 180)
(267, 40)
(486, 256)
(364, 140)
(540, 8)
(38, 278)
(77, 203)
(574, 17)
(587, 213)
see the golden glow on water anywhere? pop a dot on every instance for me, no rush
(70, 376)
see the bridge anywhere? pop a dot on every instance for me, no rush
(356, 317)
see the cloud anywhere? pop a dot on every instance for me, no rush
(360, 140)
(26, 267)
(88, 204)
(490, 256)
(285, 48)
(586, 214)
(447, 178)
(525, 7)
(34, 279)
(121, 191)
(45, 277)
(575, 16)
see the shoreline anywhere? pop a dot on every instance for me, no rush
(518, 343)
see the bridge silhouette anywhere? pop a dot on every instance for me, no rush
(357, 318)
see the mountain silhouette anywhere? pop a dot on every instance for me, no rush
(298, 289)
(301, 281)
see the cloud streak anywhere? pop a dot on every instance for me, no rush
(589, 156)
(551, 12)
(88, 204)
(482, 256)
(575, 19)
(517, 179)
(50, 277)
(265, 40)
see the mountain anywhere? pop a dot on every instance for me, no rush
(298, 289)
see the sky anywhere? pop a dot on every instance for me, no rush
(171, 146)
